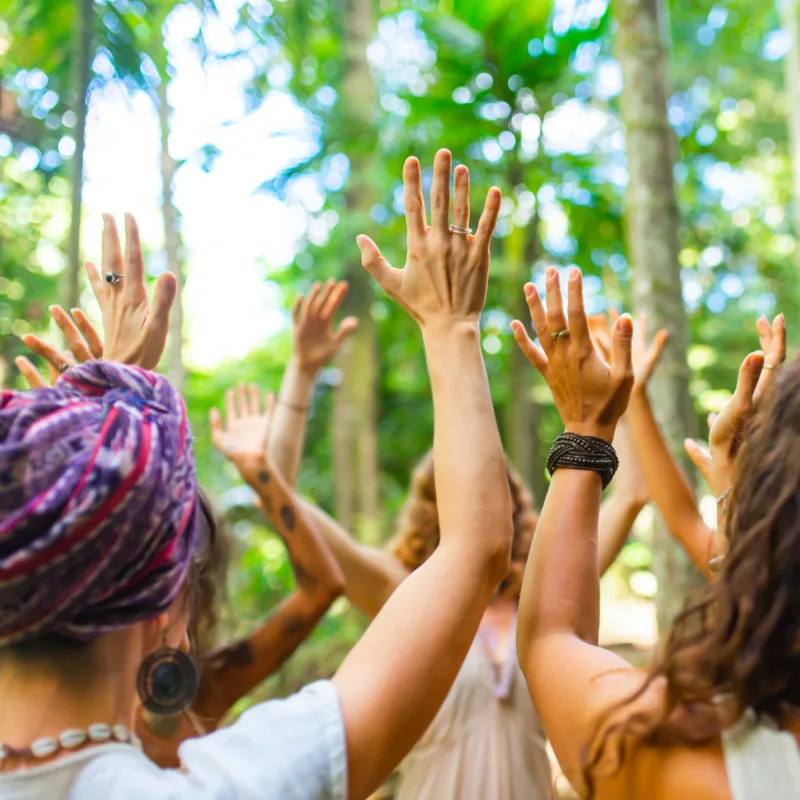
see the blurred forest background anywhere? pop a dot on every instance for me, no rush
(652, 143)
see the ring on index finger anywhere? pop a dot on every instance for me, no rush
(562, 334)
(114, 278)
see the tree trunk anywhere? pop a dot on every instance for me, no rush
(522, 442)
(355, 430)
(652, 228)
(790, 14)
(172, 243)
(70, 291)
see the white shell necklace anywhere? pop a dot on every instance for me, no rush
(70, 739)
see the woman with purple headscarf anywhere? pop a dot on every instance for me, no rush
(99, 528)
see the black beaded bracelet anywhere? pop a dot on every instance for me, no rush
(574, 451)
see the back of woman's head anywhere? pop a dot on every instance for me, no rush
(98, 498)
(739, 639)
(418, 529)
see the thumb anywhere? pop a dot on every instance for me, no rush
(373, 262)
(157, 324)
(215, 423)
(700, 458)
(346, 327)
(621, 345)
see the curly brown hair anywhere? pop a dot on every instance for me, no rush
(739, 638)
(418, 527)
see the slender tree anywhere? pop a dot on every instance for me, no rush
(355, 436)
(652, 227)
(80, 83)
(790, 14)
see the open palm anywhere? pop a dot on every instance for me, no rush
(242, 438)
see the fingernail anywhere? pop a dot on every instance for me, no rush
(574, 274)
(625, 323)
(688, 443)
(551, 273)
(529, 289)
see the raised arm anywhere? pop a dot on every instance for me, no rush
(560, 602)
(316, 343)
(233, 670)
(628, 496)
(394, 680)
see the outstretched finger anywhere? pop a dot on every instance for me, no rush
(440, 192)
(243, 401)
(461, 197)
(387, 277)
(764, 333)
(96, 281)
(711, 419)
(656, 350)
(749, 374)
(335, 299)
(89, 332)
(112, 248)
(413, 201)
(322, 297)
(555, 304)
(58, 360)
(622, 345)
(134, 259)
(75, 341)
(30, 373)
(157, 325)
(488, 220)
(346, 327)
(230, 406)
(700, 458)
(296, 305)
(255, 399)
(217, 430)
(578, 323)
(310, 304)
(538, 316)
(533, 353)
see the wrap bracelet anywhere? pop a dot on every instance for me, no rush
(573, 451)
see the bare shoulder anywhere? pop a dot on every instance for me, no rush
(650, 773)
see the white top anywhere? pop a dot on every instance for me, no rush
(486, 742)
(761, 760)
(291, 749)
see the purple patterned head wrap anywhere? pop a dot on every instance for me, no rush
(98, 492)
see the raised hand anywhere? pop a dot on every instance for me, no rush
(772, 339)
(135, 331)
(243, 442)
(445, 276)
(727, 430)
(316, 341)
(82, 339)
(590, 393)
(645, 357)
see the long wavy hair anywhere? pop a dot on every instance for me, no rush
(418, 526)
(739, 638)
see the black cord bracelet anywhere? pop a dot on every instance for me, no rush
(573, 451)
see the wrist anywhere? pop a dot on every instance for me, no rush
(598, 431)
(302, 370)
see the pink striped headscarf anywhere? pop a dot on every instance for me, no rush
(98, 492)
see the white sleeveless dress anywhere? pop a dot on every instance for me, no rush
(762, 761)
(486, 743)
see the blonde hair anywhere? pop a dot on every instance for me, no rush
(418, 526)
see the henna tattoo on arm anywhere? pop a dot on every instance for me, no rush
(233, 656)
(305, 578)
(294, 624)
(263, 476)
(287, 518)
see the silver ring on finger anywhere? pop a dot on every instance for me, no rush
(457, 229)
(562, 334)
(114, 278)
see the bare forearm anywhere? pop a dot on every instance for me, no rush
(233, 670)
(371, 575)
(472, 494)
(287, 437)
(561, 591)
(315, 568)
(668, 484)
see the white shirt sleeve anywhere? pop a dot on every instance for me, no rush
(291, 749)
